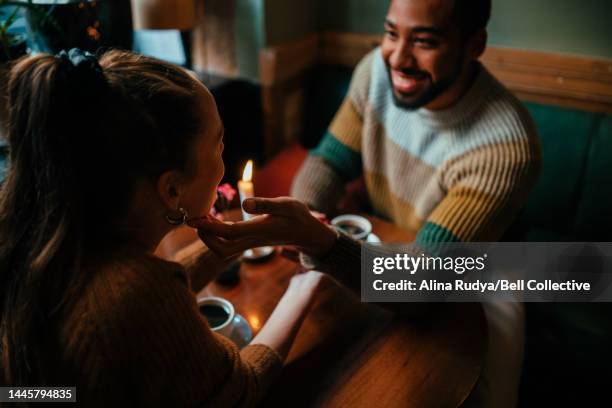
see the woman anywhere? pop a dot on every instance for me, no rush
(107, 157)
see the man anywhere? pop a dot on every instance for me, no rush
(444, 149)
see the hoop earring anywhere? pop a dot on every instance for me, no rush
(180, 220)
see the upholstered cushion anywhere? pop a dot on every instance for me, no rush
(566, 136)
(594, 212)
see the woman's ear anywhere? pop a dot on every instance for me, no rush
(168, 189)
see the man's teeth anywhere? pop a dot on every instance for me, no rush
(405, 81)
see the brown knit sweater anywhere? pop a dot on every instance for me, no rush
(135, 337)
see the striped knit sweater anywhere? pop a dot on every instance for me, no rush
(135, 337)
(459, 174)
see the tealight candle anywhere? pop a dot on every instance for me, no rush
(245, 187)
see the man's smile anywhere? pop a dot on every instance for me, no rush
(406, 84)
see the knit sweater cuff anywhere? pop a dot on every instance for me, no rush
(265, 362)
(343, 261)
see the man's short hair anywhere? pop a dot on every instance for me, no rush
(472, 15)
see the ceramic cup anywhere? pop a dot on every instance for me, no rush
(219, 313)
(355, 226)
(224, 320)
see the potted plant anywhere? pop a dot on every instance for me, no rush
(13, 46)
(52, 25)
(90, 25)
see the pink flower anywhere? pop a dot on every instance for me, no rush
(225, 196)
(227, 191)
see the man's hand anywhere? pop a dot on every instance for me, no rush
(281, 221)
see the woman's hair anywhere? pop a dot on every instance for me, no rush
(81, 134)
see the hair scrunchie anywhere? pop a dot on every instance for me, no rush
(83, 67)
(80, 59)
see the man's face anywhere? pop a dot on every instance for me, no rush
(423, 51)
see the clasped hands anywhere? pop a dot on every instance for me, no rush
(279, 221)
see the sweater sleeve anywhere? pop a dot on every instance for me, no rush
(343, 262)
(486, 187)
(173, 357)
(337, 159)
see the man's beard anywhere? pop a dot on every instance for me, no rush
(433, 90)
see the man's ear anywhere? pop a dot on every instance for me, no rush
(477, 43)
(168, 189)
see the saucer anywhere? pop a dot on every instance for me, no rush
(256, 254)
(373, 239)
(241, 334)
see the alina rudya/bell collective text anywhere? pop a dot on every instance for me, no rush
(480, 286)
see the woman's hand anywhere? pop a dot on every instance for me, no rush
(281, 328)
(305, 285)
(283, 221)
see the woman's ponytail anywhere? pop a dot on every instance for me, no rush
(53, 100)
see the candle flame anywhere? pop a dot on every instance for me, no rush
(247, 175)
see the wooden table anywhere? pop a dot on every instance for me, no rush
(351, 354)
